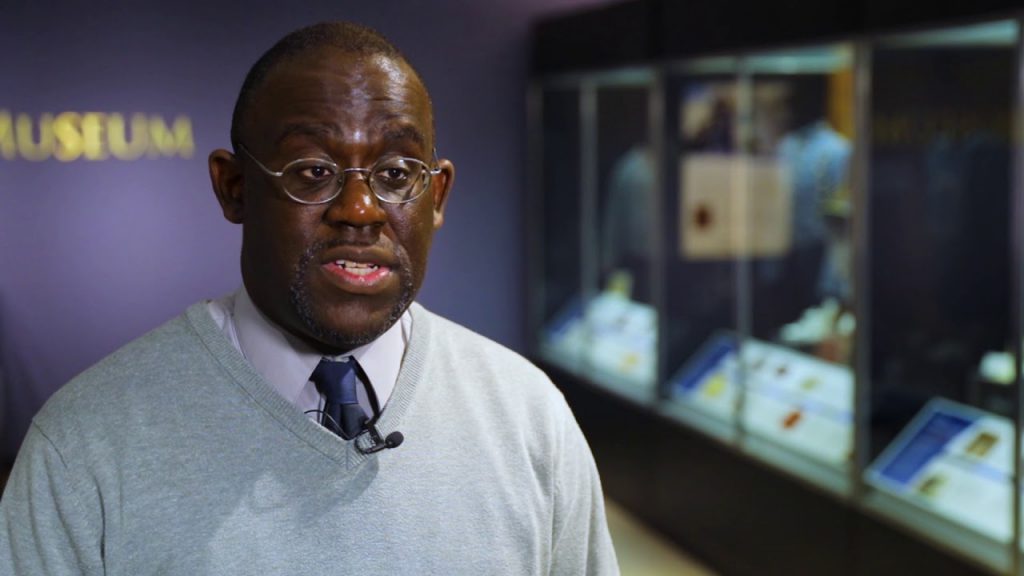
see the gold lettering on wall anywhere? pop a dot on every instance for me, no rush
(69, 137)
(122, 147)
(93, 136)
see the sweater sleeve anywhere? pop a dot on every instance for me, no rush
(581, 542)
(45, 526)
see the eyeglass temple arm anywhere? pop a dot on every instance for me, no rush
(258, 163)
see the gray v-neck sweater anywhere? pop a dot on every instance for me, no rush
(174, 456)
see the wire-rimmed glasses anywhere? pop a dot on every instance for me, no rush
(392, 179)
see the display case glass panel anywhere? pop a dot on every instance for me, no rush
(745, 360)
(942, 392)
(598, 181)
(700, 234)
(798, 208)
(800, 200)
(562, 334)
(620, 314)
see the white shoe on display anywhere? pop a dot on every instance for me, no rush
(816, 324)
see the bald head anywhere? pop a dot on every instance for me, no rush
(345, 36)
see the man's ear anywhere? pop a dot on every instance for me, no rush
(226, 177)
(441, 185)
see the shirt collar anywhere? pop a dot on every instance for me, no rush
(287, 362)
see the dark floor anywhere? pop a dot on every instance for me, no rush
(642, 552)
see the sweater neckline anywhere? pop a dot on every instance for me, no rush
(252, 384)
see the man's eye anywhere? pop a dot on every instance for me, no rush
(314, 173)
(394, 174)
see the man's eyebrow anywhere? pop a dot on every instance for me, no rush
(407, 132)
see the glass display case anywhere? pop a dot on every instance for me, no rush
(800, 317)
(621, 319)
(558, 317)
(598, 179)
(759, 278)
(942, 394)
(701, 233)
(808, 255)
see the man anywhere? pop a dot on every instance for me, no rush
(263, 432)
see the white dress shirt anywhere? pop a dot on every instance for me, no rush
(286, 362)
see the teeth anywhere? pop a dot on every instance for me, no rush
(357, 268)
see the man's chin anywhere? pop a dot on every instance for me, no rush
(339, 340)
(340, 329)
(338, 324)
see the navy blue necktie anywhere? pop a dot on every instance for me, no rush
(337, 382)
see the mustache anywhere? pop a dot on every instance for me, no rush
(323, 245)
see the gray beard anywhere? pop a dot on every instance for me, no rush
(302, 303)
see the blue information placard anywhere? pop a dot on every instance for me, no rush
(953, 461)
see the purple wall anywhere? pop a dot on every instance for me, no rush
(94, 252)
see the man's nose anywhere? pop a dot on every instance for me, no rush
(356, 205)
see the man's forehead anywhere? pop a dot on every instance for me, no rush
(329, 76)
(391, 132)
(327, 64)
